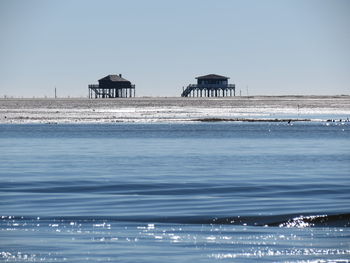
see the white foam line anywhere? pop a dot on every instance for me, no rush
(156, 114)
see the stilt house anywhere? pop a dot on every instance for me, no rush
(112, 86)
(211, 85)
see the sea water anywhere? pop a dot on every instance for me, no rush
(205, 192)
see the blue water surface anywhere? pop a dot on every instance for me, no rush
(175, 192)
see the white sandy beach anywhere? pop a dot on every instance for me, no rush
(319, 108)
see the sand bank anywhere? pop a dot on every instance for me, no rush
(259, 108)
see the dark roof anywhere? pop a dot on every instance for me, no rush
(115, 78)
(212, 76)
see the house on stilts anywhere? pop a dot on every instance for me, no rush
(211, 85)
(112, 86)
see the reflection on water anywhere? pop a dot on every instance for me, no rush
(95, 240)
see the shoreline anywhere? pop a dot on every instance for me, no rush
(176, 109)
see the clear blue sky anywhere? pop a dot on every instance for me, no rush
(275, 47)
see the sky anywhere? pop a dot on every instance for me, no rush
(266, 47)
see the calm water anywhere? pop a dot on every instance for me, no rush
(225, 192)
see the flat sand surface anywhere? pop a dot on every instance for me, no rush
(319, 108)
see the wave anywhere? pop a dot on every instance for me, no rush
(298, 221)
(167, 189)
